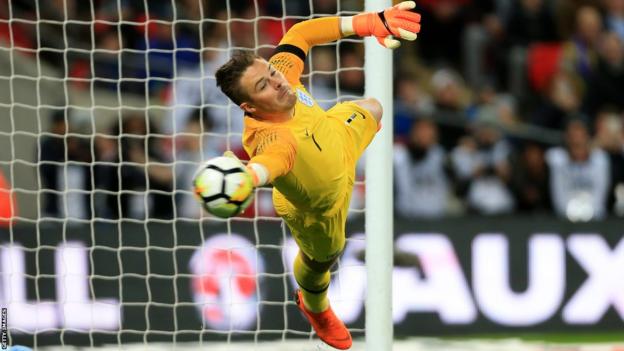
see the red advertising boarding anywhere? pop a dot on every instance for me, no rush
(8, 205)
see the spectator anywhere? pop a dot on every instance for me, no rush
(579, 176)
(481, 41)
(167, 50)
(16, 33)
(530, 179)
(580, 52)
(615, 17)
(324, 6)
(561, 102)
(606, 86)
(65, 176)
(76, 179)
(196, 88)
(144, 180)
(610, 138)
(531, 21)
(106, 67)
(51, 158)
(530, 48)
(322, 83)
(441, 40)
(482, 167)
(189, 155)
(105, 174)
(410, 103)
(351, 75)
(495, 107)
(566, 12)
(241, 22)
(422, 185)
(449, 106)
(341, 76)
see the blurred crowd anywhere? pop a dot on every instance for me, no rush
(512, 106)
(501, 106)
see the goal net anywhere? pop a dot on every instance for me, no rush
(108, 107)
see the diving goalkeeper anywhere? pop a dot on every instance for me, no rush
(308, 154)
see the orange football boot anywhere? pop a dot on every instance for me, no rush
(328, 327)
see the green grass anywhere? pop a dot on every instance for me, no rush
(558, 338)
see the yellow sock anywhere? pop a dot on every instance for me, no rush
(313, 285)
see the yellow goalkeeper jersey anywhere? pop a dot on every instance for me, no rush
(305, 156)
(309, 157)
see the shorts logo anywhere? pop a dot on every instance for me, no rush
(354, 116)
(305, 98)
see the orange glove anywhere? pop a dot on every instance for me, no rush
(396, 21)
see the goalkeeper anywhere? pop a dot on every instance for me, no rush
(308, 154)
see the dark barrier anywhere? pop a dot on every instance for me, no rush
(131, 282)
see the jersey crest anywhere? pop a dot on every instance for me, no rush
(305, 98)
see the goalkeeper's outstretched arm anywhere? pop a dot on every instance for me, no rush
(397, 21)
(277, 156)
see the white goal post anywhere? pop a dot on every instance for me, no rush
(379, 200)
(88, 252)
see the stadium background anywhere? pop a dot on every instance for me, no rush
(101, 130)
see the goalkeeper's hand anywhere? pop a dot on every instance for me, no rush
(257, 175)
(397, 21)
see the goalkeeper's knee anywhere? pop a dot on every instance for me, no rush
(312, 278)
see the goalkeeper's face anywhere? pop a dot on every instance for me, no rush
(270, 94)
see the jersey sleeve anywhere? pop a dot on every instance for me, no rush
(276, 151)
(289, 56)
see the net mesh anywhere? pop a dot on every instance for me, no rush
(108, 108)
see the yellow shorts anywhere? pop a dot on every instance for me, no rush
(321, 236)
(360, 125)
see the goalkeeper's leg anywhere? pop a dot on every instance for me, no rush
(373, 106)
(313, 278)
(362, 120)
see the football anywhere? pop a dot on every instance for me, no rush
(223, 186)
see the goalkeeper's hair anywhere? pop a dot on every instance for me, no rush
(229, 75)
